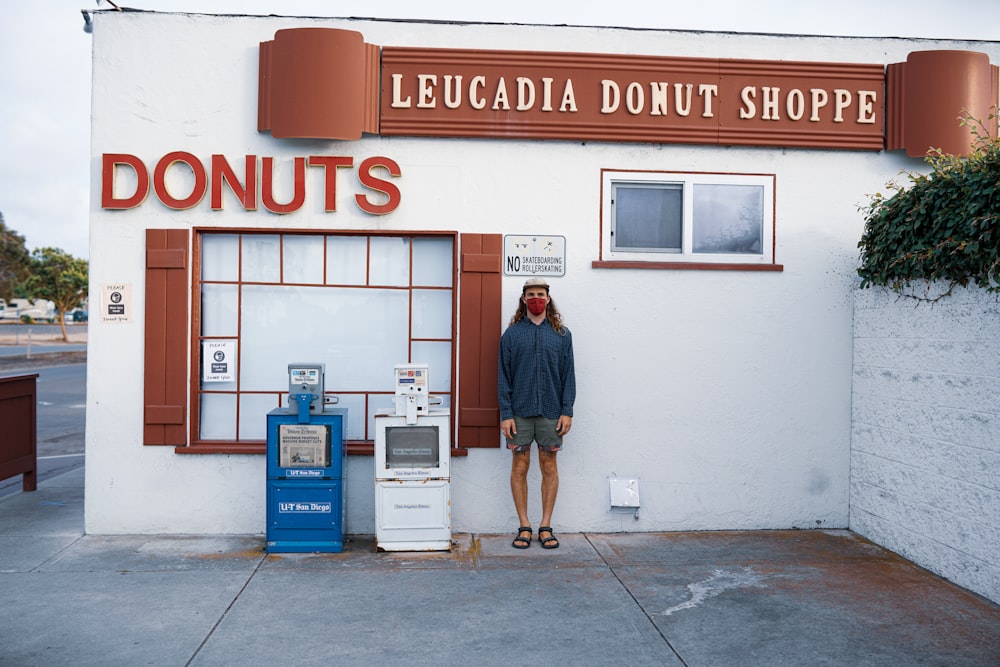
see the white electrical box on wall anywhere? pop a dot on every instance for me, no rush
(623, 493)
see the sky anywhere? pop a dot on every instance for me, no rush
(45, 65)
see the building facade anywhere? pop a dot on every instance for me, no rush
(362, 193)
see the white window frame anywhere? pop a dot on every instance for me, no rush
(686, 180)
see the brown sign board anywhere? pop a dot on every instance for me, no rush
(329, 84)
(574, 96)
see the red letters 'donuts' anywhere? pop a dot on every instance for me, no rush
(221, 176)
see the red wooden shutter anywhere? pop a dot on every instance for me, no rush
(166, 352)
(479, 340)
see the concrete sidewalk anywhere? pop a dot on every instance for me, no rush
(712, 598)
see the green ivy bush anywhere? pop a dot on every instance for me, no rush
(945, 227)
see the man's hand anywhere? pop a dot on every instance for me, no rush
(564, 425)
(508, 428)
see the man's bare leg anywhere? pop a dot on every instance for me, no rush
(519, 465)
(550, 488)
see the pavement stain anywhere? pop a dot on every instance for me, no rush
(717, 584)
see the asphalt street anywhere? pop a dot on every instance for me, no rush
(36, 349)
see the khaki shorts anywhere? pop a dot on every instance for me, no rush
(535, 429)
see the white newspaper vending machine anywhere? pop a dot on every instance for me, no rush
(412, 468)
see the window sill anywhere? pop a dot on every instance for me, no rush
(223, 448)
(353, 447)
(685, 266)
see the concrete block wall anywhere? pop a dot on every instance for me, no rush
(925, 451)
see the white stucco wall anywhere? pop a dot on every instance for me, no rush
(727, 393)
(925, 460)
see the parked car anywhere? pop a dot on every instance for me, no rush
(79, 315)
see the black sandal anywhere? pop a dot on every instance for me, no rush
(522, 542)
(546, 541)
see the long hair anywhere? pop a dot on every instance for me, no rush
(551, 313)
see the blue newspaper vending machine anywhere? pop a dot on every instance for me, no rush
(305, 468)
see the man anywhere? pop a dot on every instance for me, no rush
(536, 389)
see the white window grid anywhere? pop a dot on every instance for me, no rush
(687, 181)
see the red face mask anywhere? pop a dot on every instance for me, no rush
(536, 305)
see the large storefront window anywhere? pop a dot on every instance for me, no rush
(359, 303)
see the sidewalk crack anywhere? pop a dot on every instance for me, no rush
(226, 611)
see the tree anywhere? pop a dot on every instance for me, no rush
(14, 261)
(58, 277)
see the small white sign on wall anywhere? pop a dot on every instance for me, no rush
(534, 255)
(218, 359)
(116, 302)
